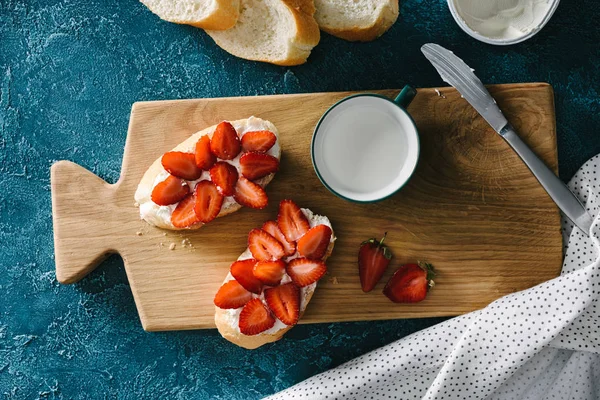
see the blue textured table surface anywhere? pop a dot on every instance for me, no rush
(69, 72)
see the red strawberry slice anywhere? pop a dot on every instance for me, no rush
(208, 201)
(255, 318)
(249, 194)
(373, 260)
(184, 215)
(204, 157)
(269, 272)
(260, 141)
(305, 272)
(232, 295)
(182, 165)
(284, 302)
(225, 142)
(243, 272)
(410, 283)
(314, 243)
(257, 165)
(272, 229)
(291, 220)
(224, 175)
(264, 246)
(170, 191)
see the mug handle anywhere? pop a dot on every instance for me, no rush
(406, 96)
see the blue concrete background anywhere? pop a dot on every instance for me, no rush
(69, 72)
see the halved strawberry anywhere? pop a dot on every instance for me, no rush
(224, 175)
(314, 243)
(284, 302)
(410, 283)
(208, 201)
(291, 220)
(264, 246)
(204, 157)
(255, 318)
(182, 165)
(305, 272)
(225, 142)
(249, 194)
(257, 165)
(243, 272)
(260, 141)
(373, 259)
(184, 216)
(169, 191)
(269, 272)
(232, 295)
(272, 228)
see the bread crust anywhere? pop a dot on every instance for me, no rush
(252, 342)
(146, 184)
(306, 37)
(223, 17)
(387, 18)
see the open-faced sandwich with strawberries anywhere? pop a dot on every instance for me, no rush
(211, 174)
(269, 286)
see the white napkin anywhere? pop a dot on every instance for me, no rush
(541, 343)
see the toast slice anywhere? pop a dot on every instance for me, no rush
(281, 32)
(227, 320)
(207, 14)
(356, 20)
(160, 215)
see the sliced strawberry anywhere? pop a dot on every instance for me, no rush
(373, 259)
(232, 295)
(410, 283)
(314, 243)
(260, 141)
(264, 246)
(255, 318)
(204, 157)
(169, 191)
(225, 142)
(257, 165)
(225, 176)
(208, 201)
(284, 302)
(184, 216)
(249, 194)
(243, 272)
(182, 165)
(269, 272)
(272, 228)
(305, 272)
(291, 220)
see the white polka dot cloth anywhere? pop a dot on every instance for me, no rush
(541, 343)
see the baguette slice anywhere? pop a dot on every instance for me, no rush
(281, 32)
(226, 322)
(356, 20)
(160, 216)
(207, 14)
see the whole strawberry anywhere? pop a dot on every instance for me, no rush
(373, 259)
(410, 283)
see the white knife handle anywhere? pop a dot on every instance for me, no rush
(558, 191)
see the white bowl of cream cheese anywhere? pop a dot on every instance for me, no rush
(502, 22)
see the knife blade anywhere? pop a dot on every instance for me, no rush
(457, 73)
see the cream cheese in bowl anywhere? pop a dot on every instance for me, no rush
(502, 22)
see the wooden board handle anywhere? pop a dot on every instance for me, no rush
(77, 252)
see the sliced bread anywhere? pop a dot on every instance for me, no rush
(281, 32)
(207, 14)
(356, 20)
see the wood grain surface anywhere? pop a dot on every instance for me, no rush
(472, 209)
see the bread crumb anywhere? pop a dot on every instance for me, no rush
(334, 280)
(139, 233)
(161, 244)
(164, 233)
(186, 243)
(136, 204)
(440, 94)
(172, 246)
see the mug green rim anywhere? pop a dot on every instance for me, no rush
(316, 130)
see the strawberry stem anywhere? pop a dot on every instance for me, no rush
(382, 239)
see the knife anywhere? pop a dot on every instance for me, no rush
(454, 71)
